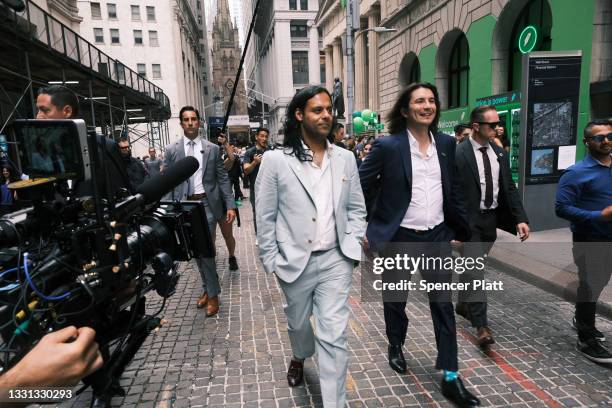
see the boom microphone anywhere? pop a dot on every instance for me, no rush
(17, 5)
(156, 187)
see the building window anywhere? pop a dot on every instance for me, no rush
(135, 12)
(120, 72)
(111, 8)
(156, 71)
(415, 72)
(303, 4)
(153, 40)
(299, 29)
(114, 33)
(138, 37)
(299, 61)
(458, 73)
(141, 69)
(322, 64)
(96, 11)
(99, 35)
(292, 4)
(536, 13)
(150, 13)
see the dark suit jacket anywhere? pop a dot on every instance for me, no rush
(510, 210)
(388, 168)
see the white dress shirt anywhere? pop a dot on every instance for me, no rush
(481, 173)
(198, 186)
(426, 205)
(321, 183)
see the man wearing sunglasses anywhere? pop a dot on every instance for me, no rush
(492, 201)
(584, 197)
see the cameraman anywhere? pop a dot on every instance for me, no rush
(135, 168)
(60, 359)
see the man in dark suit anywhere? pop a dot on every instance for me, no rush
(210, 185)
(492, 201)
(417, 209)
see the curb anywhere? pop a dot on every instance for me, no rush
(564, 285)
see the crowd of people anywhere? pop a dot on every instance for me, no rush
(322, 198)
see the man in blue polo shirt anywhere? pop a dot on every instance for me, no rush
(584, 197)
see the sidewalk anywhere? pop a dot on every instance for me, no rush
(544, 260)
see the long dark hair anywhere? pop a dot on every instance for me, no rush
(293, 132)
(13, 177)
(398, 122)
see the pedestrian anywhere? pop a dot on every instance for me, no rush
(418, 203)
(311, 218)
(209, 185)
(462, 132)
(137, 173)
(153, 163)
(492, 202)
(230, 160)
(252, 159)
(584, 197)
(337, 135)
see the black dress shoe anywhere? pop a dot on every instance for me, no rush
(457, 393)
(295, 374)
(396, 358)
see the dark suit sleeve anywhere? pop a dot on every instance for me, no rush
(459, 222)
(514, 200)
(370, 173)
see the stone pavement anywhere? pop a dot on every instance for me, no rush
(239, 358)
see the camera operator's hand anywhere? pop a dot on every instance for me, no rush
(60, 359)
(257, 158)
(221, 139)
(230, 216)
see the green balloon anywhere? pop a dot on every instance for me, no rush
(375, 120)
(358, 125)
(374, 115)
(366, 114)
(356, 114)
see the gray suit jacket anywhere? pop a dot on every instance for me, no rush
(214, 177)
(286, 212)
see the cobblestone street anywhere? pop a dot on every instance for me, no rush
(239, 358)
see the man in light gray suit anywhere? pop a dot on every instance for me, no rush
(311, 220)
(210, 184)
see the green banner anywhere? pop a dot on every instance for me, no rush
(451, 118)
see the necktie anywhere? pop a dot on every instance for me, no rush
(488, 177)
(191, 184)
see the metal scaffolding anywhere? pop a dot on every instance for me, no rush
(37, 50)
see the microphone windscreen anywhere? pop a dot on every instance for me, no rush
(157, 187)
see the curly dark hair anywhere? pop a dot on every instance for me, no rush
(293, 133)
(398, 122)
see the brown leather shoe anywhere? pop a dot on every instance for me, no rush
(484, 336)
(202, 301)
(213, 306)
(295, 373)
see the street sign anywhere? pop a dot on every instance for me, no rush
(528, 39)
(215, 121)
(238, 120)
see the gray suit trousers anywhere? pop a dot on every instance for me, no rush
(322, 290)
(208, 266)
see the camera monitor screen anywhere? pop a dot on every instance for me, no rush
(53, 148)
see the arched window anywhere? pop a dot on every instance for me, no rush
(410, 69)
(536, 13)
(459, 73)
(415, 72)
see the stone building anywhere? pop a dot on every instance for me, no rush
(226, 54)
(331, 20)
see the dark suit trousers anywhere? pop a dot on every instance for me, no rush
(435, 242)
(484, 234)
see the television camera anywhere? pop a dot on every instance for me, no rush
(88, 256)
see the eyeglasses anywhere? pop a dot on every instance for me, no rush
(492, 125)
(600, 138)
